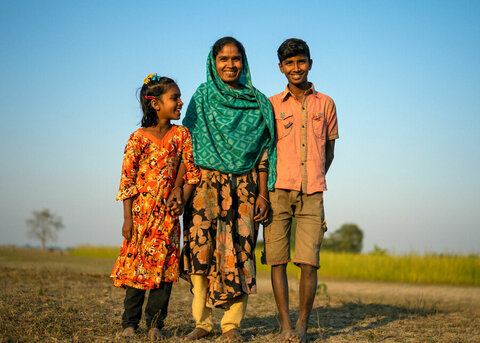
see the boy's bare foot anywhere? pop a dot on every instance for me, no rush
(154, 334)
(233, 336)
(300, 335)
(197, 333)
(128, 332)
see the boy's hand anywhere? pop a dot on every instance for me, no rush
(175, 201)
(261, 209)
(127, 229)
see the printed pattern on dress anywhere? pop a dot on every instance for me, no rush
(149, 170)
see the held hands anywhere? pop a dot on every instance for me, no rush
(261, 208)
(175, 201)
(127, 229)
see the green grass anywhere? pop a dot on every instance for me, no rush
(412, 268)
(429, 268)
(95, 251)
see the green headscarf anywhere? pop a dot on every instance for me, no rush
(230, 128)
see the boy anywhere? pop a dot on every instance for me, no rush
(306, 128)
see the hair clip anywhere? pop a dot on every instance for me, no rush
(149, 97)
(151, 77)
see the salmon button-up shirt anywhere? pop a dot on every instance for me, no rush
(302, 129)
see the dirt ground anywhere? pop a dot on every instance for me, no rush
(59, 298)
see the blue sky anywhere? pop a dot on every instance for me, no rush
(405, 77)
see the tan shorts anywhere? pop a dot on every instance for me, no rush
(310, 227)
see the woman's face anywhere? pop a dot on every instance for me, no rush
(229, 65)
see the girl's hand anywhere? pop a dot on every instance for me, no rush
(261, 209)
(127, 229)
(175, 201)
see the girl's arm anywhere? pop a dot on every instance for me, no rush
(175, 199)
(127, 228)
(128, 188)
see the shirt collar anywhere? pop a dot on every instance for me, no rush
(287, 93)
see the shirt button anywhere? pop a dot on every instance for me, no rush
(303, 126)
(303, 144)
(303, 163)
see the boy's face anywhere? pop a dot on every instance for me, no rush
(296, 69)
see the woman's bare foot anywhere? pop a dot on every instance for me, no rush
(197, 333)
(233, 336)
(154, 334)
(128, 332)
(288, 335)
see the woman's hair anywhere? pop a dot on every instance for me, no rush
(292, 47)
(219, 44)
(153, 87)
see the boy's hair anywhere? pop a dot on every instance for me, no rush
(219, 44)
(154, 88)
(292, 47)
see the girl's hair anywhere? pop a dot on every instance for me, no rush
(219, 44)
(292, 47)
(154, 86)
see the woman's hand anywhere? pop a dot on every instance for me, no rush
(175, 201)
(127, 229)
(261, 208)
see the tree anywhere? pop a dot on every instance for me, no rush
(44, 226)
(348, 238)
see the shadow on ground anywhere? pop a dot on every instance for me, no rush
(327, 321)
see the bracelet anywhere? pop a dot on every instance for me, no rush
(261, 196)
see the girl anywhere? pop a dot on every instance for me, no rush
(149, 257)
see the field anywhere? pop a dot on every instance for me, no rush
(57, 297)
(429, 268)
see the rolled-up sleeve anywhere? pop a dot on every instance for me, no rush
(332, 125)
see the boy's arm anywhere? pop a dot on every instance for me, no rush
(329, 154)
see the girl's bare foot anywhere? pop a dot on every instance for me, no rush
(233, 336)
(197, 333)
(128, 332)
(154, 334)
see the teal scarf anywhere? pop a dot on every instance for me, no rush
(230, 128)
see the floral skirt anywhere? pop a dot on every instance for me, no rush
(220, 234)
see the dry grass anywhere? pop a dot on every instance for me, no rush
(50, 297)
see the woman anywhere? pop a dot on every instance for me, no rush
(232, 129)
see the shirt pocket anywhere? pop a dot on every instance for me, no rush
(318, 125)
(284, 124)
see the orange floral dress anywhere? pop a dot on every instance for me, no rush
(149, 170)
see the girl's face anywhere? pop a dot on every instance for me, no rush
(228, 63)
(169, 104)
